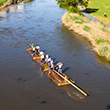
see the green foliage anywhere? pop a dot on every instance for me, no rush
(89, 19)
(104, 29)
(98, 41)
(74, 10)
(101, 22)
(72, 5)
(2, 1)
(86, 28)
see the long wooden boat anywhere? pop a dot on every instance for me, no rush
(61, 79)
(56, 78)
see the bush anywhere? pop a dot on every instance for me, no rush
(2, 1)
(74, 10)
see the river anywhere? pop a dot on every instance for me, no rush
(23, 86)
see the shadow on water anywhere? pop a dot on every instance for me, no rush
(90, 10)
(67, 68)
(108, 107)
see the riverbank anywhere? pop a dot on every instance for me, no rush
(6, 3)
(94, 31)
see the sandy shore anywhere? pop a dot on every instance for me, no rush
(95, 32)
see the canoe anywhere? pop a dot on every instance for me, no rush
(61, 79)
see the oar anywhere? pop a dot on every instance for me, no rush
(71, 83)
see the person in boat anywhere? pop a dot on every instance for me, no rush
(51, 68)
(60, 64)
(37, 49)
(42, 58)
(49, 61)
(46, 58)
(33, 51)
(41, 52)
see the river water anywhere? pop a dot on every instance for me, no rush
(23, 86)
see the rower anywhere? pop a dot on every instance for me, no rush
(51, 69)
(42, 58)
(38, 49)
(41, 52)
(49, 61)
(46, 58)
(60, 64)
(33, 51)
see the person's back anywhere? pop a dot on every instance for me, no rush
(46, 58)
(41, 52)
(60, 64)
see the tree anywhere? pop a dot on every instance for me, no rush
(72, 4)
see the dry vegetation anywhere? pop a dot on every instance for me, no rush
(95, 32)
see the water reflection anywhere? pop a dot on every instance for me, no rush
(11, 9)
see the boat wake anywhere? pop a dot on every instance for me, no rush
(74, 94)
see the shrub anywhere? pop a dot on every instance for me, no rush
(101, 22)
(74, 10)
(89, 19)
(2, 1)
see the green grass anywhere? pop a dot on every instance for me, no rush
(66, 19)
(2, 1)
(103, 6)
(77, 19)
(86, 28)
(100, 40)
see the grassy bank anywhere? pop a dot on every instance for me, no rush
(2, 1)
(95, 32)
(102, 6)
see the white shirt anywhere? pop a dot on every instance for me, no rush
(51, 62)
(46, 59)
(41, 53)
(33, 48)
(47, 56)
(37, 47)
(49, 59)
(60, 65)
(42, 56)
(52, 66)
